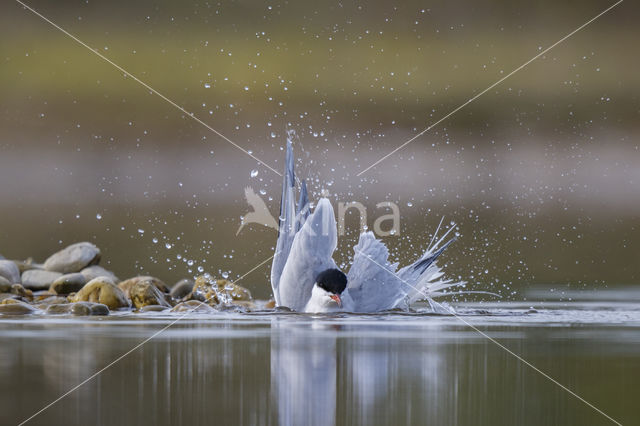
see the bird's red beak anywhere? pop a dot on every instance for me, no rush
(336, 298)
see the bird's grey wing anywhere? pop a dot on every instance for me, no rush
(310, 254)
(303, 209)
(286, 225)
(372, 281)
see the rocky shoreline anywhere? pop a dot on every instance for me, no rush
(71, 282)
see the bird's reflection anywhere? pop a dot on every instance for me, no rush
(316, 372)
(303, 372)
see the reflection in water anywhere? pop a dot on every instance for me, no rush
(303, 373)
(295, 370)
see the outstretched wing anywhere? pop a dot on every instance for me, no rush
(372, 281)
(310, 254)
(376, 285)
(286, 225)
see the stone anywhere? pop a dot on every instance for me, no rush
(51, 301)
(9, 270)
(182, 288)
(36, 279)
(96, 271)
(102, 290)
(73, 258)
(57, 309)
(15, 307)
(216, 291)
(144, 293)
(271, 304)
(19, 290)
(88, 308)
(126, 285)
(68, 283)
(193, 306)
(4, 296)
(78, 309)
(153, 308)
(5, 285)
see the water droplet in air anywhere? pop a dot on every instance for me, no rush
(254, 173)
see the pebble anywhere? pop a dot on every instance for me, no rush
(193, 306)
(153, 308)
(144, 293)
(102, 290)
(88, 308)
(9, 270)
(95, 271)
(182, 288)
(68, 283)
(126, 285)
(5, 285)
(73, 258)
(19, 290)
(39, 280)
(216, 291)
(15, 307)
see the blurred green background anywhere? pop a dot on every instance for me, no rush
(542, 173)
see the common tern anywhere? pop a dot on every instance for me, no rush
(305, 278)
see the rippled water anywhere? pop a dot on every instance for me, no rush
(277, 368)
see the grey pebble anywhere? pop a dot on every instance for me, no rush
(36, 279)
(74, 258)
(10, 271)
(5, 285)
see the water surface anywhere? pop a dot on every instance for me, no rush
(279, 368)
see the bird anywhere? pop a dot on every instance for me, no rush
(305, 278)
(260, 213)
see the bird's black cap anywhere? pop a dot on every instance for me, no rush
(332, 280)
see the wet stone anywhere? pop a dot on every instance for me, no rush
(15, 307)
(36, 279)
(102, 290)
(9, 270)
(216, 291)
(126, 285)
(68, 283)
(182, 288)
(144, 293)
(88, 308)
(193, 306)
(153, 308)
(73, 258)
